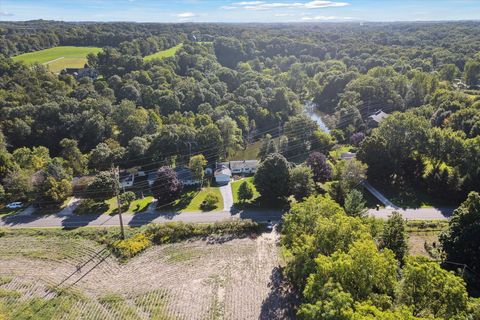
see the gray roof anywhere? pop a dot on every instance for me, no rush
(378, 116)
(184, 174)
(243, 164)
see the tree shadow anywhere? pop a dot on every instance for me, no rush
(16, 219)
(143, 218)
(76, 221)
(182, 203)
(281, 300)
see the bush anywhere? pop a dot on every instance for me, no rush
(210, 202)
(178, 231)
(132, 246)
(126, 198)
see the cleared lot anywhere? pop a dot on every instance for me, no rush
(63, 278)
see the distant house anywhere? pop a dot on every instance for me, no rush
(375, 119)
(223, 175)
(244, 167)
(126, 179)
(348, 156)
(79, 73)
(186, 177)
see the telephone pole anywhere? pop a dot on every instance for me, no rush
(119, 205)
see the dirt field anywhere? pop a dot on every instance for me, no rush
(416, 242)
(61, 278)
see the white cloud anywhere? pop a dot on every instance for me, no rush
(326, 18)
(262, 5)
(248, 3)
(186, 15)
(325, 4)
(6, 14)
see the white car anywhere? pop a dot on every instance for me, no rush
(14, 205)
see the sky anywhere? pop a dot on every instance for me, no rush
(239, 10)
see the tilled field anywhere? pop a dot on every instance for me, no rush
(61, 278)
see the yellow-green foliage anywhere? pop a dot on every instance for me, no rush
(130, 247)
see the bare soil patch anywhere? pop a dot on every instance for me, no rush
(61, 278)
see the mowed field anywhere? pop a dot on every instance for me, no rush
(59, 58)
(170, 52)
(72, 278)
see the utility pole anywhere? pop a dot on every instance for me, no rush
(119, 205)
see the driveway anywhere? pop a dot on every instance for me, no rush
(415, 214)
(387, 203)
(226, 191)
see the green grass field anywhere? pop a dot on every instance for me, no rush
(236, 186)
(164, 53)
(59, 58)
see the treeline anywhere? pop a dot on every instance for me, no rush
(230, 85)
(143, 39)
(346, 267)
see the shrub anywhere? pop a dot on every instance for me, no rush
(210, 202)
(178, 231)
(126, 198)
(132, 246)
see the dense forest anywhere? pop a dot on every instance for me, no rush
(231, 85)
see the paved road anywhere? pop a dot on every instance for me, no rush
(415, 214)
(75, 221)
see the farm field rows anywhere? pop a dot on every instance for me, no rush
(69, 278)
(59, 58)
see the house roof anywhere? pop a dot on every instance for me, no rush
(184, 174)
(224, 170)
(348, 155)
(243, 164)
(378, 116)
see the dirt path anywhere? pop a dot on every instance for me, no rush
(48, 62)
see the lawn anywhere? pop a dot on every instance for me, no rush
(110, 206)
(136, 206)
(236, 186)
(59, 58)
(197, 198)
(191, 200)
(407, 196)
(250, 153)
(164, 53)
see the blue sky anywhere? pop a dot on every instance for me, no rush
(240, 10)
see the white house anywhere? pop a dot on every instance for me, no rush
(244, 166)
(126, 180)
(223, 175)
